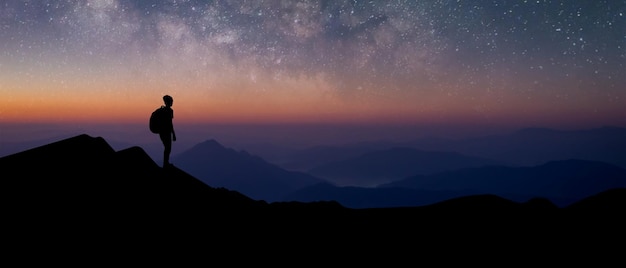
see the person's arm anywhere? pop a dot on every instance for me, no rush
(173, 132)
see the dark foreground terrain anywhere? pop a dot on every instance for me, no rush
(78, 199)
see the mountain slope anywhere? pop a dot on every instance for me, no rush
(218, 166)
(86, 169)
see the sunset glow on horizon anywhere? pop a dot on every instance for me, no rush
(519, 63)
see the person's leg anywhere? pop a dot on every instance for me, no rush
(167, 144)
(166, 154)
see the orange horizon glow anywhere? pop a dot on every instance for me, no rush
(257, 97)
(251, 106)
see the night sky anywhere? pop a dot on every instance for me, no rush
(517, 63)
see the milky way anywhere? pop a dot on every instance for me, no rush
(432, 57)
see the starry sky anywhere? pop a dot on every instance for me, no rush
(552, 63)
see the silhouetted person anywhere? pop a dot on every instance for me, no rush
(168, 134)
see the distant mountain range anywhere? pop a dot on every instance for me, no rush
(383, 166)
(406, 176)
(562, 182)
(564, 179)
(92, 161)
(78, 196)
(526, 147)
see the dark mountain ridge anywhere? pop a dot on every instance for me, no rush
(366, 197)
(87, 167)
(78, 198)
(390, 197)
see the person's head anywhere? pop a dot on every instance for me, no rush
(168, 100)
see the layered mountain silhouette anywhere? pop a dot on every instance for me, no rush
(312, 157)
(218, 166)
(80, 197)
(535, 146)
(526, 147)
(562, 184)
(384, 166)
(562, 180)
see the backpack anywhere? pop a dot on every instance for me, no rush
(158, 119)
